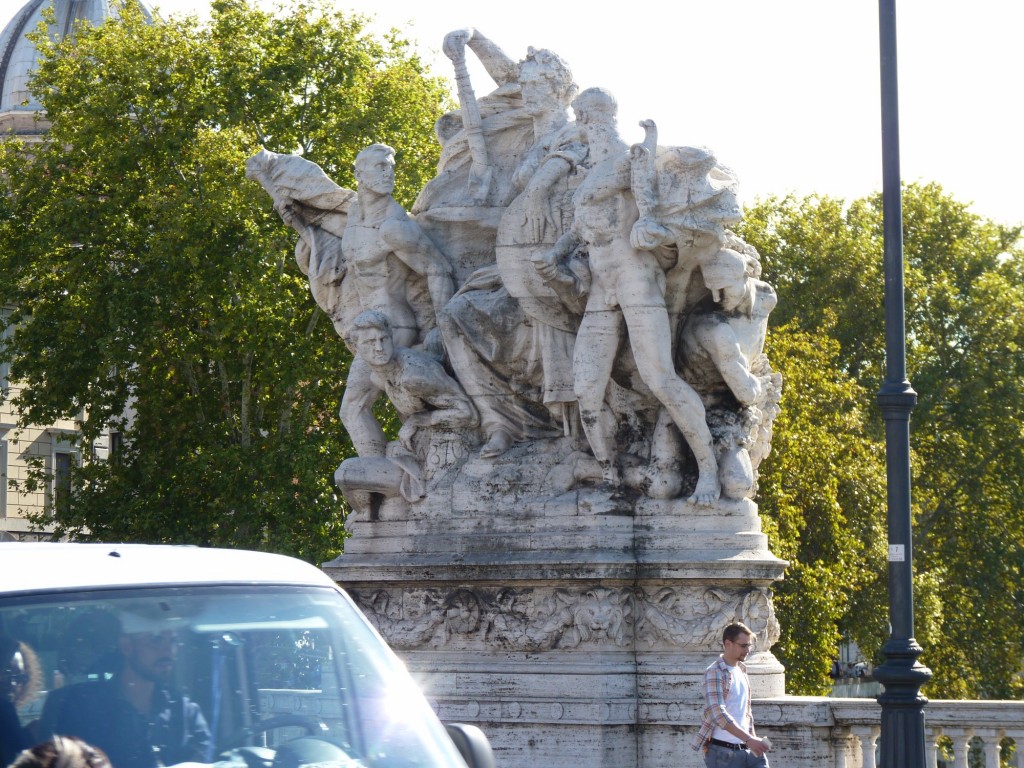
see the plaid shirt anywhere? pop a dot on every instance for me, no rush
(717, 682)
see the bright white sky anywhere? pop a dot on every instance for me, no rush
(785, 92)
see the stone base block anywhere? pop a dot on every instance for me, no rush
(573, 627)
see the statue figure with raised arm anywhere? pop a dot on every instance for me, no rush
(427, 400)
(363, 253)
(484, 144)
(627, 292)
(508, 335)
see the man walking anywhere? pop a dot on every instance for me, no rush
(727, 728)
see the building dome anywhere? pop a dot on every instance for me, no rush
(18, 54)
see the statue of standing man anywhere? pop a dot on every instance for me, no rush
(361, 251)
(627, 292)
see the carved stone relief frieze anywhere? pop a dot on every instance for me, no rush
(589, 617)
(694, 617)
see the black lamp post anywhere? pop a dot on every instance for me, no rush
(902, 742)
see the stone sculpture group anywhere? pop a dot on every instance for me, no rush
(561, 312)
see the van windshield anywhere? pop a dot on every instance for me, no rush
(251, 677)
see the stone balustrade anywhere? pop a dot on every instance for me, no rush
(958, 734)
(805, 730)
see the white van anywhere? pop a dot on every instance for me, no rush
(165, 655)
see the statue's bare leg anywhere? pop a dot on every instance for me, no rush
(359, 477)
(666, 447)
(479, 380)
(652, 349)
(357, 410)
(596, 344)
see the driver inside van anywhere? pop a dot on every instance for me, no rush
(137, 716)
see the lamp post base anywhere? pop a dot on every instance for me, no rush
(902, 743)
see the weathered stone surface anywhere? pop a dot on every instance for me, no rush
(571, 654)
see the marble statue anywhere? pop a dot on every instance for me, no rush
(509, 337)
(426, 399)
(573, 339)
(361, 251)
(574, 307)
(627, 289)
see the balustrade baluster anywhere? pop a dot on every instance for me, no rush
(931, 747)
(1018, 745)
(841, 738)
(961, 745)
(990, 745)
(867, 735)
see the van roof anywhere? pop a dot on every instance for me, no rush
(47, 566)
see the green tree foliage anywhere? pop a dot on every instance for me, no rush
(152, 279)
(965, 303)
(822, 499)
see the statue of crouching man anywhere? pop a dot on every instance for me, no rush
(426, 399)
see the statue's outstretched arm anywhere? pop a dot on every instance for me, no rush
(417, 251)
(499, 65)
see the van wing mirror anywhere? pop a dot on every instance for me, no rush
(472, 745)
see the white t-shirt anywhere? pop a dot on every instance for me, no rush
(735, 705)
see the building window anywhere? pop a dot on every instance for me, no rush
(62, 481)
(116, 445)
(64, 456)
(5, 368)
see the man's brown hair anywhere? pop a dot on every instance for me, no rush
(736, 629)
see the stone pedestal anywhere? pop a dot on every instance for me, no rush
(574, 630)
